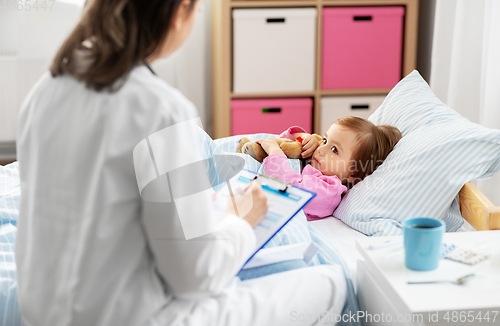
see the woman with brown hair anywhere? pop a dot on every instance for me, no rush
(90, 250)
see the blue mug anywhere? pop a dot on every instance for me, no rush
(422, 241)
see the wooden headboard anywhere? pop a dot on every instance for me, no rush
(477, 209)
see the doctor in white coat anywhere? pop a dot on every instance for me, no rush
(90, 250)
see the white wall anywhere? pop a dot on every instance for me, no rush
(29, 39)
(465, 67)
(190, 68)
(425, 33)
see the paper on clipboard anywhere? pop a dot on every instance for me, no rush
(284, 202)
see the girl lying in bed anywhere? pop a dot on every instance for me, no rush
(351, 150)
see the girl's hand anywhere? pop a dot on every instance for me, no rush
(309, 145)
(270, 146)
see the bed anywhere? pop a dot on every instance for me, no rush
(431, 179)
(477, 210)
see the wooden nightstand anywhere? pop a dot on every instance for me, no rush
(384, 294)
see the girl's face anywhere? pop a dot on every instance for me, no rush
(182, 24)
(333, 156)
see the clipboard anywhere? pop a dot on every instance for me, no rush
(284, 201)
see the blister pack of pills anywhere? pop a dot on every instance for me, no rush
(466, 256)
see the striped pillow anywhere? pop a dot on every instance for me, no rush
(440, 151)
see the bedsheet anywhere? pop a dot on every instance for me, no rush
(344, 238)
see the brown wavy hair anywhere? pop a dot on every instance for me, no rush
(374, 144)
(111, 38)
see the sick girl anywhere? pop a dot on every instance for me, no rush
(351, 150)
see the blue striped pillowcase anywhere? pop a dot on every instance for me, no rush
(440, 151)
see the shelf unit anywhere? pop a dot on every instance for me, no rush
(222, 54)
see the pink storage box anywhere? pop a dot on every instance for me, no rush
(362, 47)
(270, 115)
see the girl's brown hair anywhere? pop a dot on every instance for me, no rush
(111, 38)
(374, 144)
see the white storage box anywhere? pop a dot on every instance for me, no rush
(274, 50)
(333, 108)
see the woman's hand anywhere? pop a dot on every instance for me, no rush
(309, 145)
(251, 205)
(270, 146)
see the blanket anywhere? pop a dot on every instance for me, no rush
(296, 231)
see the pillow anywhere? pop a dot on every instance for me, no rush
(439, 152)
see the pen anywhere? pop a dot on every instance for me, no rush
(232, 197)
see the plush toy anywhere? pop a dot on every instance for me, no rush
(291, 148)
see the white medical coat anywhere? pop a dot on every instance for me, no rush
(90, 251)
